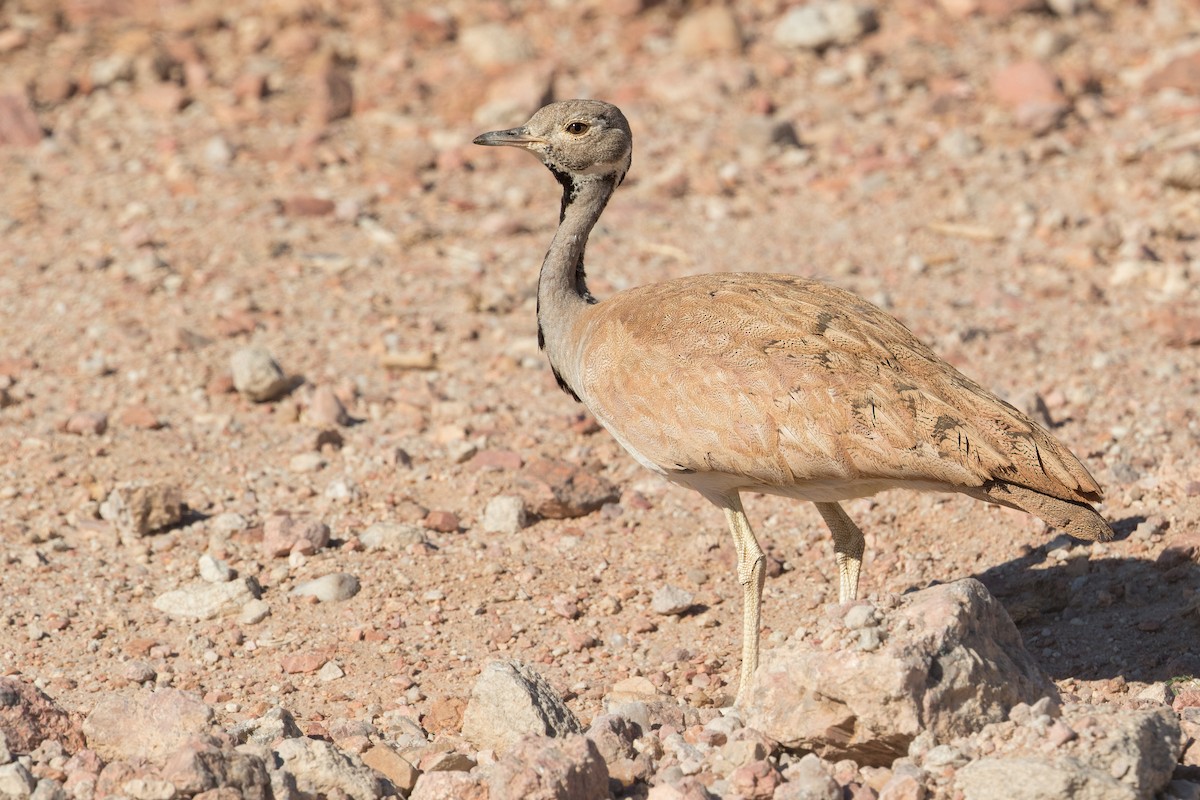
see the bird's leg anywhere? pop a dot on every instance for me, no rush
(848, 544)
(750, 575)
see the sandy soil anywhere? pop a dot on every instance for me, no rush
(175, 213)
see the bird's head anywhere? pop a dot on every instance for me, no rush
(575, 138)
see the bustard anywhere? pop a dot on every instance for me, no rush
(772, 383)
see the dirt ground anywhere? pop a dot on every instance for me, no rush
(299, 174)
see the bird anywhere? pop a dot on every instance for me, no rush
(771, 383)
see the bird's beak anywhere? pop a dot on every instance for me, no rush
(517, 137)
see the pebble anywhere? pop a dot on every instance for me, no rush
(504, 514)
(395, 536)
(201, 600)
(558, 489)
(19, 125)
(308, 206)
(1183, 171)
(494, 45)
(671, 600)
(1068, 8)
(326, 408)
(818, 25)
(959, 144)
(329, 588)
(303, 463)
(331, 92)
(257, 376)
(139, 672)
(214, 570)
(87, 423)
(1032, 93)
(869, 640)
(441, 521)
(330, 672)
(709, 30)
(254, 612)
(276, 724)
(116, 68)
(227, 523)
(217, 152)
(859, 616)
(139, 508)
(16, 781)
(284, 534)
(1181, 73)
(301, 663)
(342, 491)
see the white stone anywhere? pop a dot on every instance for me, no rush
(394, 536)
(821, 24)
(330, 672)
(302, 463)
(256, 375)
(510, 700)
(214, 570)
(203, 600)
(322, 769)
(951, 662)
(671, 600)
(329, 588)
(15, 781)
(504, 514)
(254, 612)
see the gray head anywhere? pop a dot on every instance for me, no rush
(574, 138)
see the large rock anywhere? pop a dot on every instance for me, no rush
(549, 769)
(16, 781)
(28, 717)
(510, 700)
(201, 765)
(273, 726)
(321, 769)
(947, 660)
(1096, 752)
(449, 786)
(149, 726)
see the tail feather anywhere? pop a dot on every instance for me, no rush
(1069, 516)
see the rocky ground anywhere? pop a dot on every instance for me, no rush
(283, 477)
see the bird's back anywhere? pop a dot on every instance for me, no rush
(789, 384)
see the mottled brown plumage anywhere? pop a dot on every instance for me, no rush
(773, 383)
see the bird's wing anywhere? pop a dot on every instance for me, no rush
(786, 381)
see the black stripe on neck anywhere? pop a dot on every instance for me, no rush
(570, 192)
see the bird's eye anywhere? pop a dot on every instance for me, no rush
(577, 128)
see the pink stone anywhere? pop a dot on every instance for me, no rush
(283, 534)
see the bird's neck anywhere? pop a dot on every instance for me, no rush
(562, 293)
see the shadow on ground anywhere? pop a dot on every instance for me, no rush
(1095, 619)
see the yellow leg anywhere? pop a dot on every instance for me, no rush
(750, 575)
(848, 544)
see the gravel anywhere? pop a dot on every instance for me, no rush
(184, 186)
